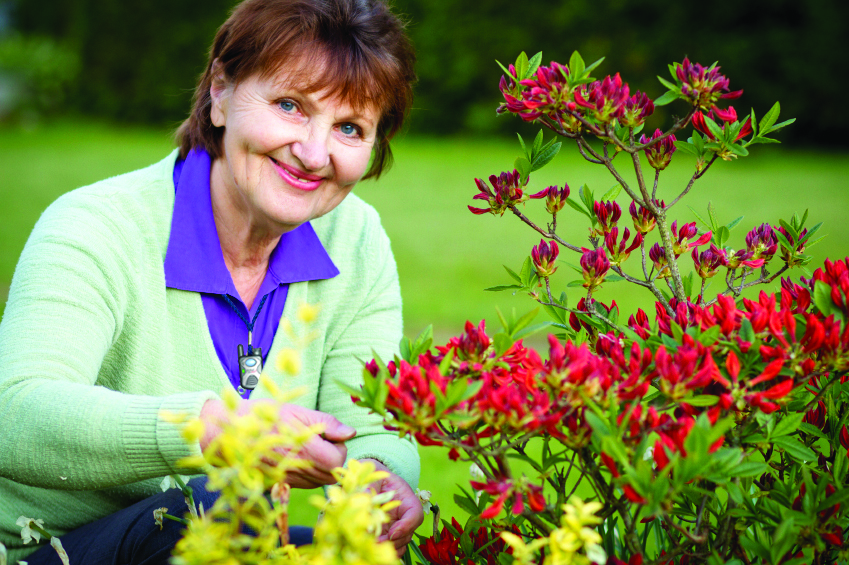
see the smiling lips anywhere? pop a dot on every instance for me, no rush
(295, 177)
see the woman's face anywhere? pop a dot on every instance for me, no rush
(289, 156)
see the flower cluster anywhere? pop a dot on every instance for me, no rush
(606, 99)
(508, 192)
(703, 86)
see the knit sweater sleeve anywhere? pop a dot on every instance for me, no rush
(375, 328)
(72, 292)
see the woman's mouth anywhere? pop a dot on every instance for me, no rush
(295, 177)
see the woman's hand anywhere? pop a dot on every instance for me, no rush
(406, 517)
(325, 453)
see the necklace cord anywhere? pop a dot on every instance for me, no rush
(250, 325)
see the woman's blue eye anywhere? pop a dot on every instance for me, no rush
(287, 106)
(348, 129)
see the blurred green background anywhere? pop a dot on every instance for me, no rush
(93, 89)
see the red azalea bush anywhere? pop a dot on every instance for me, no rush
(715, 433)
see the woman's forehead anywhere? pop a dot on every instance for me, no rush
(322, 77)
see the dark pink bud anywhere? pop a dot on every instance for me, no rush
(543, 256)
(607, 214)
(659, 154)
(709, 261)
(595, 265)
(555, 199)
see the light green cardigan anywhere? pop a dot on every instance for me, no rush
(93, 348)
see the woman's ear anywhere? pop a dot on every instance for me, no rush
(218, 95)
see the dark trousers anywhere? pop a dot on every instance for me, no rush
(130, 536)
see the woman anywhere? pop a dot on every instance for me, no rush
(151, 291)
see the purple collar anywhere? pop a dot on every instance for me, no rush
(194, 261)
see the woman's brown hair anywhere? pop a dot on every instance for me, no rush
(364, 53)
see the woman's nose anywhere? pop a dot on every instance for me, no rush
(312, 150)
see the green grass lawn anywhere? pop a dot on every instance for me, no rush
(447, 256)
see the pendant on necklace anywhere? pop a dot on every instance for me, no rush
(250, 366)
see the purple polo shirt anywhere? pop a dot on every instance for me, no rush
(194, 262)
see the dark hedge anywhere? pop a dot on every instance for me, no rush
(140, 58)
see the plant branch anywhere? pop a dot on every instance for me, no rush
(542, 231)
(696, 176)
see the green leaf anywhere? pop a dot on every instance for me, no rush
(506, 72)
(822, 299)
(612, 193)
(698, 141)
(795, 448)
(523, 166)
(445, 364)
(587, 197)
(812, 430)
(466, 504)
(502, 342)
(573, 284)
(714, 128)
(405, 347)
(748, 469)
(714, 223)
(522, 144)
(512, 273)
(537, 144)
(811, 232)
(525, 273)
(576, 65)
(777, 127)
(522, 65)
(737, 149)
(613, 278)
(723, 235)
(688, 147)
(524, 321)
(733, 223)
(545, 156)
(698, 217)
(666, 98)
(790, 229)
(755, 547)
(702, 400)
(593, 65)
(709, 336)
(836, 498)
(770, 118)
(788, 425)
(501, 287)
(747, 332)
(669, 86)
(578, 207)
(534, 63)
(754, 122)
(532, 329)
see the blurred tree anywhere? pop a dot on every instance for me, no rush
(140, 58)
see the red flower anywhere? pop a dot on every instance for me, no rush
(544, 255)
(444, 551)
(644, 220)
(659, 154)
(607, 214)
(637, 108)
(703, 86)
(816, 416)
(508, 192)
(605, 99)
(555, 199)
(686, 233)
(595, 265)
(709, 261)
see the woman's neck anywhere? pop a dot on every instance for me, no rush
(246, 243)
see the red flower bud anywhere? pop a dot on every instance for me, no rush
(543, 256)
